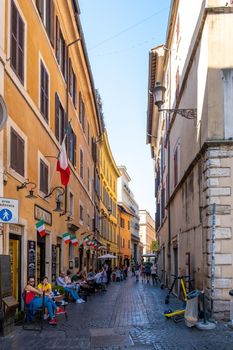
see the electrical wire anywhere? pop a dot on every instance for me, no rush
(127, 29)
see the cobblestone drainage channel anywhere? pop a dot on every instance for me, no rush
(105, 337)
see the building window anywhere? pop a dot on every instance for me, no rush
(81, 112)
(88, 220)
(81, 164)
(81, 213)
(88, 179)
(44, 92)
(177, 83)
(71, 204)
(17, 42)
(61, 52)
(72, 146)
(46, 12)
(72, 83)
(44, 177)
(129, 225)
(17, 153)
(60, 120)
(128, 244)
(175, 161)
(122, 223)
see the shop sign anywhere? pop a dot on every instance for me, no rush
(9, 211)
(31, 259)
(42, 214)
(16, 229)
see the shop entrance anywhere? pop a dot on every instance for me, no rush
(15, 256)
(58, 259)
(40, 265)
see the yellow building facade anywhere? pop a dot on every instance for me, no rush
(108, 202)
(123, 236)
(49, 93)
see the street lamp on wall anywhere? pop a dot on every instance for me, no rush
(31, 191)
(58, 208)
(158, 93)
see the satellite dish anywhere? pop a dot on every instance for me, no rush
(3, 113)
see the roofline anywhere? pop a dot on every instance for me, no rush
(105, 135)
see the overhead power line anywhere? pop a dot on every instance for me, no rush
(128, 28)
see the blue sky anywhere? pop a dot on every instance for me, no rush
(119, 35)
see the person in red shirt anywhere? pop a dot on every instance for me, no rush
(34, 299)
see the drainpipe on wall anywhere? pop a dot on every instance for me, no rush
(213, 257)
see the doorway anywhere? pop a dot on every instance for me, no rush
(15, 257)
(40, 265)
(175, 255)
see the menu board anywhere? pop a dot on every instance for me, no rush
(54, 255)
(31, 259)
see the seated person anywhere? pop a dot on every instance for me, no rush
(76, 277)
(69, 288)
(46, 287)
(33, 299)
(90, 275)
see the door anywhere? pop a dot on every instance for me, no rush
(15, 256)
(58, 259)
(40, 258)
(175, 255)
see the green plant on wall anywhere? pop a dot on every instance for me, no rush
(154, 246)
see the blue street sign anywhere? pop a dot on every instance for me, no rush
(5, 215)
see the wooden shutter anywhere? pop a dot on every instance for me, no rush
(20, 156)
(17, 153)
(21, 49)
(74, 150)
(49, 23)
(40, 7)
(57, 40)
(80, 106)
(57, 117)
(17, 43)
(13, 150)
(44, 177)
(74, 90)
(83, 116)
(13, 36)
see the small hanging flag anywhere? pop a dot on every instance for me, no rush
(66, 237)
(40, 227)
(74, 240)
(86, 239)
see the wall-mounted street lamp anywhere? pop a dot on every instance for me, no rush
(31, 191)
(58, 208)
(158, 93)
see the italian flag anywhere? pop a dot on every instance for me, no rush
(74, 241)
(86, 240)
(40, 227)
(62, 165)
(66, 237)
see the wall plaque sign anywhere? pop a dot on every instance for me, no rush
(40, 213)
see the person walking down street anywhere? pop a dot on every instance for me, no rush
(147, 272)
(154, 274)
(69, 288)
(143, 273)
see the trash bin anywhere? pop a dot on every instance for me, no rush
(191, 310)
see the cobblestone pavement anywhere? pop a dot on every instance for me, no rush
(128, 316)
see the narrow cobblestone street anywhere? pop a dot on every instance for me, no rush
(128, 316)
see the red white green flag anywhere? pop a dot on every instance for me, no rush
(74, 240)
(62, 165)
(40, 227)
(66, 237)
